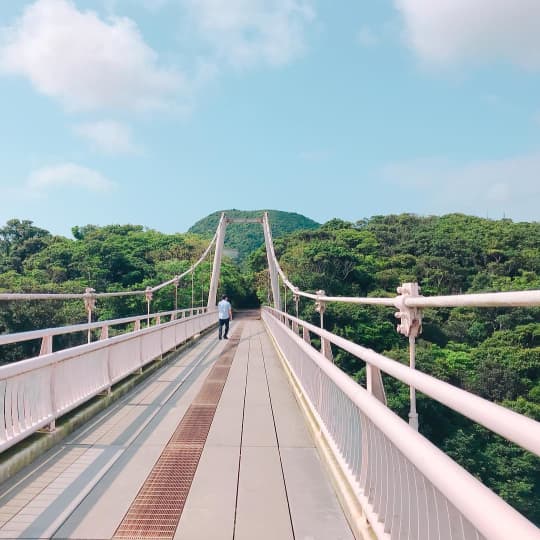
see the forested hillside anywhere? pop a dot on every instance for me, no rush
(111, 258)
(494, 353)
(243, 238)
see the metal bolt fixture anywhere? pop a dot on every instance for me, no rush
(410, 318)
(410, 326)
(296, 298)
(320, 305)
(89, 304)
(89, 299)
(148, 294)
(176, 282)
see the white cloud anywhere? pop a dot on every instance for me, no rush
(315, 155)
(508, 187)
(108, 136)
(68, 175)
(86, 62)
(248, 32)
(445, 32)
(367, 37)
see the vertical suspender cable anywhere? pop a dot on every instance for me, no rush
(192, 293)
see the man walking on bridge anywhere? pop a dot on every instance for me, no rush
(225, 315)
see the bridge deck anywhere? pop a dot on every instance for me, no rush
(259, 475)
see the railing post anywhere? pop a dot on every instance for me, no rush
(410, 326)
(89, 305)
(46, 348)
(46, 345)
(104, 332)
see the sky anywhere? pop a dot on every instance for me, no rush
(159, 112)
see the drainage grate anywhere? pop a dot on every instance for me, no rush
(156, 510)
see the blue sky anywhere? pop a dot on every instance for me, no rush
(159, 112)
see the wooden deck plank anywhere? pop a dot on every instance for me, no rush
(210, 507)
(259, 476)
(315, 510)
(258, 419)
(226, 428)
(100, 513)
(291, 427)
(262, 510)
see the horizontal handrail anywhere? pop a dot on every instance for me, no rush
(6, 339)
(369, 462)
(496, 299)
(512, 426)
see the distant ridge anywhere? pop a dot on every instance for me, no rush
(243, 239)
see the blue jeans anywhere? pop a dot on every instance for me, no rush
(222, 323)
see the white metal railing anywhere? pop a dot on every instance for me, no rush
(37, 391)
(407, 487)
(104, 326)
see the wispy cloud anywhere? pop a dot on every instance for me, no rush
(500, 187)
(367, 37)
(108, 136)
(68, 175)
(315, 155)
(446, 32)
(84, 61)
(249, 32)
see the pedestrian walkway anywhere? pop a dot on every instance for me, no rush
(256, 473)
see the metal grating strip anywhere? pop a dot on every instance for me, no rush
(156, 510)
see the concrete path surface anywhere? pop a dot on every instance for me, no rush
(259, 475)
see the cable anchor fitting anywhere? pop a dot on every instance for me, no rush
(410, 317)
(148, 294)
(89, 299)
(320, 305)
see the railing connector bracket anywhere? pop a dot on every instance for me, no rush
(410, 318)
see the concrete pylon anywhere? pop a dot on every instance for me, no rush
(214, 281)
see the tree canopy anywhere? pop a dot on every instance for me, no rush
(494, 353)
(243, 238)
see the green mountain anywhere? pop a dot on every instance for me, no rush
(242, 239)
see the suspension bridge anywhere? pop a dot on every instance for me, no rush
(155, 429)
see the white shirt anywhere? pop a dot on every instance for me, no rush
(224, 309)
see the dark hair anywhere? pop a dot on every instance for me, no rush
(224, 297)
